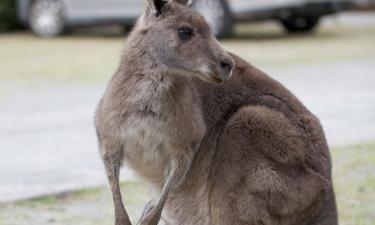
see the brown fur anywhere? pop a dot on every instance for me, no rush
(246, 152)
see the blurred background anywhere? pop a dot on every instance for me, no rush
(56, 57)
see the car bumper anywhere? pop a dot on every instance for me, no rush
(320, 8)
(305, 9)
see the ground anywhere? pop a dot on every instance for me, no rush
(49, 89)
(353, 174)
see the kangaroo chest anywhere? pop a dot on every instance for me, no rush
(144, 146)
(145, 137)
(159, 117)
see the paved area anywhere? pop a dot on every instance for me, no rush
(341, 94)
(48, 142)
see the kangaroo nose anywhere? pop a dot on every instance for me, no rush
(227, 66)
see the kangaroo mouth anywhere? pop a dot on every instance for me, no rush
(212, 78)
(213, 74)
(206, 76)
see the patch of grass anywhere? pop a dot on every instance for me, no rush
(47, 200)
(30, 60)
(354, 179)
(83, 193)
(41, 201)
(268, 45)
(26, 58)
(92, 206)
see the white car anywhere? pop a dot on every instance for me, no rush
(48, 18)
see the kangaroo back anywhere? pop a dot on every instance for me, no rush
(264, 161)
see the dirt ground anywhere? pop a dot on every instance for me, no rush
(49, 90)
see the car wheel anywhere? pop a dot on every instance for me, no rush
(218, 15)
(128, 27)
(300, 24)
(46, 17)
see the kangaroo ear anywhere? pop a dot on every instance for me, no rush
(156, 6)
(182, 2)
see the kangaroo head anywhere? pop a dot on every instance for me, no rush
(179, 40)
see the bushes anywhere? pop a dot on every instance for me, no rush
(8, 15)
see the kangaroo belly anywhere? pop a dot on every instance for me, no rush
(144, 147)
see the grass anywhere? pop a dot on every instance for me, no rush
(354, 180)
(268, 46)
(61, 59)
(84, 207)
(83, 58)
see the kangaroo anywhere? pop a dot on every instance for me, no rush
(221, 142)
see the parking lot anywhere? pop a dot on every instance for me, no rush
(49, 90)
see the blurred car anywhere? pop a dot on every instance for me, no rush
(48, 18)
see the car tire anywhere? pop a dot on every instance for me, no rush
(128, 27)
(218, 15)
(47, 17)
(300, 24)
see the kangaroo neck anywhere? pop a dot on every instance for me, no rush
(152, 86)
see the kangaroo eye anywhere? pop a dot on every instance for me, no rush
(185, 33)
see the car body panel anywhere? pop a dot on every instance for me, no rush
(282, 9)
(81, 10)
(90, 12)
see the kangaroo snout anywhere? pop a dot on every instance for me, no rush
(226, 66)
(221, 71)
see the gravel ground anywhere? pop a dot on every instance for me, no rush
(47, 139)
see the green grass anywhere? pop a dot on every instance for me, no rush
(269, 46)
(26, 58)
(353, 173)
(354, 179)
(91, 206)
(79, 58)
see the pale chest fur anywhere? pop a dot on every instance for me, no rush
(158, 120)
(144, 141)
